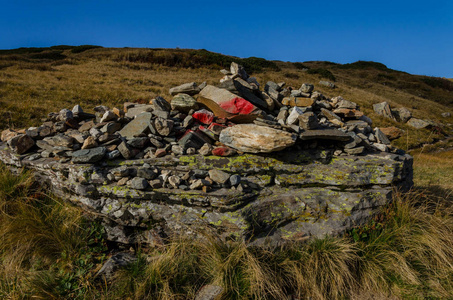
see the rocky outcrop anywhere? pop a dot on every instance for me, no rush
(283, 196)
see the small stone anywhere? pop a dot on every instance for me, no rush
(118, 112)
(380, 147)
(8, 134)
(235, 180)
(138, 142)
(160, 153)
(96, 133)
(418, 123)
(392, 132)
(355, 151)
(325, 134)
(223, 151)
(174, 181)
(90, 142)
(125, 151)
(383, 109)
(307, 88)
(140, 125)
(123, 181)
(156, 183)
(183, 103)
(206, 149)
(198, 184)
(60, 140)
(402, 114)
(113, 154)
(190, 88)
(327, 84)
(86, 126)
(177, 149)
(219, 176)
(446, 115)
(108, 116)
(203, 116)
(191, 151)
(293, 117)
(381, 137)
(77, 109)
(209, 292)
(187, 121)
(65, 114)
(346, 104)
(147, 173)
(89, 155)
(308, 120)
(163, 126)
(161, 104)
(139, 183)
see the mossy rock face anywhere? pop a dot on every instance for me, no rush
(292, 195)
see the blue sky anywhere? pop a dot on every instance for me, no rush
(412, 36)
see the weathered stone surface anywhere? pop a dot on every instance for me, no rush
(209, 292)
(418, 123)
(117, 261)
(8, 134)
(21, 143)
(392, 132)
(383, 109)
(254, 139)
(308, 120)
(189, 88)
(446, 115)
(90, 142)
(183, 103)
(402, 114)
(325, 134)
(163, 126)
(327, 84)
(219, 176)
(285, 205)
(298, 101)
(307, 88)
(136, 110)
(89, 155)
(59, 140)
(141, 124)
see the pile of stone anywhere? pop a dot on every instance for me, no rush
(232, 118)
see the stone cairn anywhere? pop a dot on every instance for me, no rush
(265, 165)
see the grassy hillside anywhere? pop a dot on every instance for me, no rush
(35, 81)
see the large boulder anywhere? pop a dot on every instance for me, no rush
(254, 138)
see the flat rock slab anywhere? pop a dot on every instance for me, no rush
(89, 155)
(325, 134)
(254, 138)
(139, 125)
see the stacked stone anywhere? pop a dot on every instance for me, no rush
(277, 118)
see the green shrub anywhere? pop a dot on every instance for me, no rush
(82, 48)
(323, 73)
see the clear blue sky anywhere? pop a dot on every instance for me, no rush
(412, 36)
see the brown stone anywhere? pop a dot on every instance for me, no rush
(392, 132)
(90, 142)
(298, 101)
(118, 112)
(8, 134)
(348, 113)
(21, 143)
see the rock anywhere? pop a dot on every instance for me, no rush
(307, 88)
(77, 109)
(308, 120)
(254, 138)
(381, 137)
(113, 154)
(187, 121)
(147, 173)
(235, 180)
(90, 142)
(111, 127)
(140, 125)
(125, 151)
(190, 88)
(446, 115)
(183, 103)
(8, 134)
(272, 85)
(223, 151)
(402, 114)
(118, 112)
(163, 126)
(380, 147)
(298, 101)
(325, 134)
(355, 151)
(156, 183)
(191, 151)
(203, 116)
(293, 117)
(392, 132)
(219, 176)
(117, 261)
(327, 84)
(108, 116)
(206, 149)
(139, 142)
(239, 70)
(346, 104)
(161, 104)
(21, 143)
(160, 153)
(198, 184)
(209, 292)
(246, 91)
(139, 183)
(65, 114)
(192, 140)
(330, 115)
(89, 155)
(282, 116)
(383, 109)
(227, 101)
(59, 140)
(174, 181)
(137, 110)
(348, 113)
(418, 123)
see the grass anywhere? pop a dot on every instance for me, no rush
(49, 250)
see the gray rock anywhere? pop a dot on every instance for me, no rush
(235, 180)
(125, 151)
(209, 292)
(21, 143)
(206, 149)
(147, 173)
(137, 110)
(446, 115)
(219, 176)
(161, 104)
(381, 137)
(89, 155)
(156, 183)
(114, 154)
(77, 109)
(140, 125)
(187, 121)
(239, 70)
(174, 181)
(308, 120)
(139, 183)
(383, 109)
(307, 88)
(327, 84)
(138, 142)
(190, 88)
(380, 147)
(346, 104)
(293, 117)
(163, 126)
(418, 123)
(108, 116)
(183, 103)
(254, 138)
(65, 114)
(402, 114)
(272, 85)
(59, 140)
(325, 134)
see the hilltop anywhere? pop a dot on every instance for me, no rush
(36, 81)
